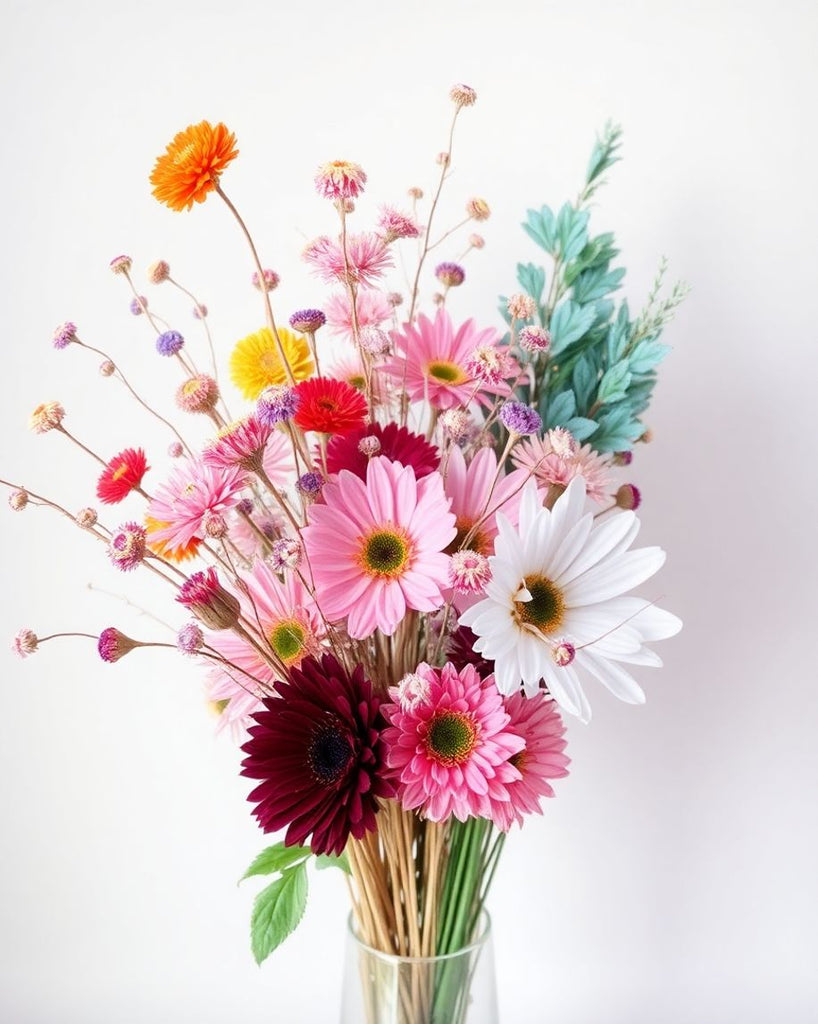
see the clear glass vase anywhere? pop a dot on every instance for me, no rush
(459, 988)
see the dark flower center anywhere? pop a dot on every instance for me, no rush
(518, 761)
(479, 541)
(327, 404)
(329, 754)
(385, 553)
(546, 608)
(451, 738)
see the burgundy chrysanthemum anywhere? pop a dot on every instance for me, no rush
(329, 406)
(317, 748)
(396, 443)
(122, 475)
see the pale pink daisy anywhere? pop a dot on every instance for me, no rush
(286, 616)
(450, 750)
(538, 456)
(477, 494)
(376, 546)
(193, 492)
(432, 356)
(277, 459)
(372, 308)
(258, 538)
(537, 721)
(350, 369)
(367, 257)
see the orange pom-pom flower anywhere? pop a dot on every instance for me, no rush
(191, 165)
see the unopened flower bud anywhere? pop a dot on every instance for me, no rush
(18, 500)
(107, 368)
(121, 264)
(478, 209)
(158, 272)
(369, 446)
(522, 307)
(25, 643)
(86, 518)
(563, 654)
(628, 497)
(270, 280)
(113, 645)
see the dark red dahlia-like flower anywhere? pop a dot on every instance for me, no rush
(317, 748)
(329, 406)
(396, 443)
(460, 652)
(122, 475)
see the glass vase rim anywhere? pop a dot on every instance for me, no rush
(483, 937)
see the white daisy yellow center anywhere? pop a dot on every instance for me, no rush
(546, 609)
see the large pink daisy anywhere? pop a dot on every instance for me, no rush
(284, 614)
(432, 357)
(192, 492)
(450, 745)
(375, 546)
(476, 498)
(537, 721)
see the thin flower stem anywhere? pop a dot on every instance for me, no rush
(79, 444)
(427, 236)
(197, 305)
(121, 376)
(268, 309)
(451, 231)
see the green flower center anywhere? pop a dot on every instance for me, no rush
(546, 609)
(329, 754)
(288, 640)
(385, 553)
(446, 373)
(451, 738)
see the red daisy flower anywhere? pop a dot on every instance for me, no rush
(317, 748)
(396, 443)
(329, 406)
(122, 475)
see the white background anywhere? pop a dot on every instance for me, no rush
(673, 879)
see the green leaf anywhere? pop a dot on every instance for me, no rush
(584, 380)
(325, 860)
(560, 409)
(581, 427)
(277, 911)
(572, 231)
(604, 153)
(596, 283)
(532, 280)
(569, 322)
(541, 226)
(614, 383)
(275, 859)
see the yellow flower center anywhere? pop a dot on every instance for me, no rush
(546, 609)
(385, 553)
(479, 541)
(446, 373)
(288, 639)
(119, 472)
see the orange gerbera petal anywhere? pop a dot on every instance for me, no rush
(191, 165)
(166, 550)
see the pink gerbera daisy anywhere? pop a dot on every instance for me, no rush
(450, 748)
(277, 459)
(286, 616)
(367, 257)
(548, 466)
(478, 494)
(192, 492)
(433, 358)
(238, 444)
(371, 307)
(376, 546)
(537, 721)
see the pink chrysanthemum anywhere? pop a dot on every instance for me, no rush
(433, 358)
(340, 179)
(537, 456)
(372, 308)
(368, 256)
(536, 720)
(288, 619)
(192, 492)
(376, 546)
(450, 752)
(238, 444)
(393, 224)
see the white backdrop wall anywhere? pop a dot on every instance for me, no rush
(672, 880)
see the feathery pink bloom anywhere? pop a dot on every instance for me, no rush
(537, 456)
(288, 619)
(450, 750)
(340, 179)
(193, 491)
(432, 356)
(393, 224)
(372, 307)
(537, 721)
(238, 444)
(376, 546)
(368, 256)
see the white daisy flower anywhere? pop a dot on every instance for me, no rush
(554, 604)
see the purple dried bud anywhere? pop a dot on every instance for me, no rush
(169, 343)
(308, 321)
(450, 274)
(138, 305)
(520, 419)
(276, 404)
(64, 335)
(286, 554)
(190, 638)
(310, 484)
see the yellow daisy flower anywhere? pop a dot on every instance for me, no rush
(255, 363)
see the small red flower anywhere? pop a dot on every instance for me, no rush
(329, 406)
(122, 475)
